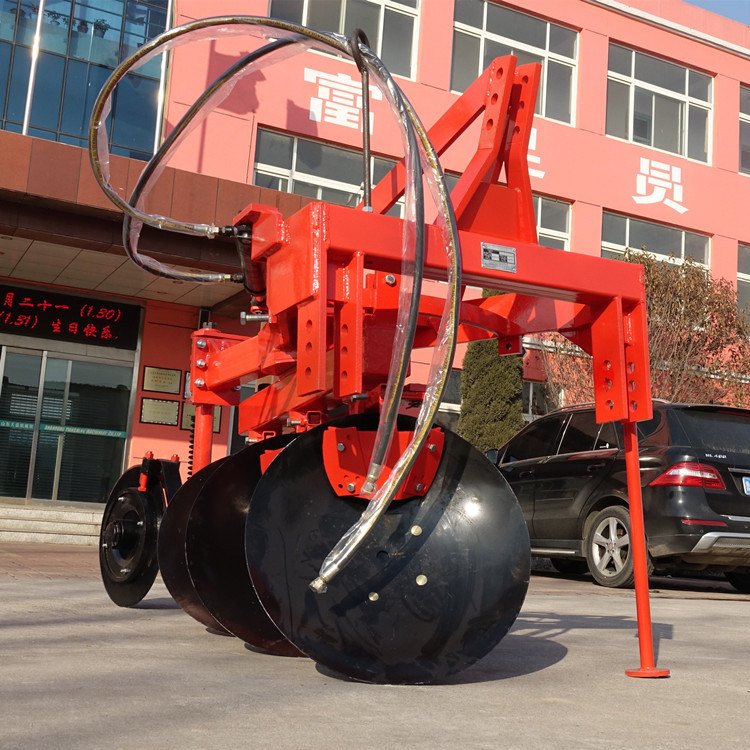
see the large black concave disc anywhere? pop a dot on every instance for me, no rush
(435, 586)
(172, 562)
(215, 550)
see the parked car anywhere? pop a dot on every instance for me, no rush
(568, 473)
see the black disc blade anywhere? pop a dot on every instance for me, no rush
(172, 562)
(435, 586)
(215, 550)
(127, 544)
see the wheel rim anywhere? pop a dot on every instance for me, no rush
(127, 545)
(610, 547)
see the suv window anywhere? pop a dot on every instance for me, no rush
(580, 433)
(538, 439)
(662, 429)
(609, 436)
(715, 429)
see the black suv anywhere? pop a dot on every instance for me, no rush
(568, 474)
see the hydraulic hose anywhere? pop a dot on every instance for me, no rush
(420, 158)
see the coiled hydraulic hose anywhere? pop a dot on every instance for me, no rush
(420, 157)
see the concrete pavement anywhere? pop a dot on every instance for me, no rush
(78, 672)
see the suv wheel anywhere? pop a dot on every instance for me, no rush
(740, 579)
(608, 548)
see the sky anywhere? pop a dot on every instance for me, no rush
(737, 10)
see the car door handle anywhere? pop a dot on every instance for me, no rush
(593, 468)
(526, 474)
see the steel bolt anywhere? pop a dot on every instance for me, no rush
(390, 279)
(200, 364)
(200, 383)
(419, 487)
(432, 447)
(340, 447)
(201, 343)
(350, 487)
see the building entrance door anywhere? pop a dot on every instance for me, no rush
(63, 425)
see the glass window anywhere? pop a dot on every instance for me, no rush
(45, 108)
(134, 117)
(743, 277)
(19, 83)
(390, 25)
(8, 14)
(314, 169)
(537, 440)
(552, 222)
(580, 434)
(621, 232)
(486, 30)
(81, 42)
(658, 103)
(745, 129)
(608, 436)
(5, 53)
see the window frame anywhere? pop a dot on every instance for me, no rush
(744, 120)
(744, 279)
(554, 236)
(686, 101)
(612, 249)
(294, 174)
(403, 8)
(546, 54)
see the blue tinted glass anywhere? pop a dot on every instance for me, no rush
(135, 113)
(4, 75)
(19, 83)
(8, 12)
(82, 85)
(45, 108)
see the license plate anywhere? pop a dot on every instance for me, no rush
(746, 485)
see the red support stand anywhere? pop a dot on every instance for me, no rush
(638, 551)
(204, 425)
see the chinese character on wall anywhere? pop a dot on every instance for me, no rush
(533, 158)
(338, 99)
(658, 182)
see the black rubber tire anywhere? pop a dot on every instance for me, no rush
(740, 579)
(608, 551)
(569, 567)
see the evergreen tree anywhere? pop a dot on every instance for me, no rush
(491, 391)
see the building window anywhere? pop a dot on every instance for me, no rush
(743, 278)
(486, 30)
(390, 25)
(622, 232)
(80, 44)
(313, 169)
(745, 129)
(552, 222)
(657, 103)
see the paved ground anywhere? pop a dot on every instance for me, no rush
(78, 672)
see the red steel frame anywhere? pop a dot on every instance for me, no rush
(332, 276)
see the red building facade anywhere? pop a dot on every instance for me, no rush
(642, 138)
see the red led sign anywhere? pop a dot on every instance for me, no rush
(43, 314)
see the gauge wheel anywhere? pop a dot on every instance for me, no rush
(569, 567)
(608, 550)
(740, 579)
